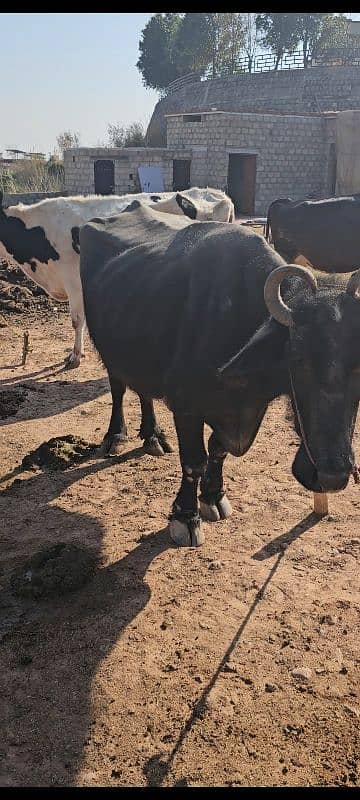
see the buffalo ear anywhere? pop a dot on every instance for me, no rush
(186, 206)
(264, 353)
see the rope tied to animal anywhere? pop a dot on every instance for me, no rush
(355, 472)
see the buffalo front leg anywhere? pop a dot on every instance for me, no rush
(155, 441)
(117, 432)
(185, 524)
(214, 504)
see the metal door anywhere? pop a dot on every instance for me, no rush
(181, 174)
(104, 176)
(241, 182)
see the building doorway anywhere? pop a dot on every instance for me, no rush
(181, 174)
(241, 182)
(104, 176)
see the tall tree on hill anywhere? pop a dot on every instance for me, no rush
(192, 42)
(279, 32)
(309, 29)
(226, 42)
(333, 42)
(251, 39)
(157, 61)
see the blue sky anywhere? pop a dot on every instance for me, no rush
(77, 71)
(70, 71)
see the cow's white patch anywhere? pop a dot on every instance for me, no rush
(58, 215)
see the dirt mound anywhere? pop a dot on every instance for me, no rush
(10, 401)
(60, 452)
(58, 569)
(18, 293)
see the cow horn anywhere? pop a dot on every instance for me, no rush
(273, 300)
(354, 284)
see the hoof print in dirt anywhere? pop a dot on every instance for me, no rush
(213, 512)
(11, 400)
(60, 452)
(186, 534)
(56, 570)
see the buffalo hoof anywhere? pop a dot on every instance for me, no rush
(212, 512)
(112, 445)
(153, 447)
(186, 534)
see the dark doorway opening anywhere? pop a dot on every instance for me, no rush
(104, 176)
(181, 174)
(241, 182)
(332, 167)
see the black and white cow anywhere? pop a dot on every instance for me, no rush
(43, 238)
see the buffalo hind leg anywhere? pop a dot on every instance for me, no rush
(117, 433)
(214, 504)
(185, 524)
(155, 441)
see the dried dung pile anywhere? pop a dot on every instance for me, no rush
(58, 453)
(10, 401)
(18, 293)
(57, 569)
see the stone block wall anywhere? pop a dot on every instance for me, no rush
(296, 91)
(291, 151)
(79, 167)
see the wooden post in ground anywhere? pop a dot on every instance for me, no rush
(25, 347)
(321, 505)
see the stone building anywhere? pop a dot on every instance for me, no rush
(105, 170)
(258, 157)
(259, 137)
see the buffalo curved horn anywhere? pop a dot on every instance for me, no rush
(273, 300)
(353, 285)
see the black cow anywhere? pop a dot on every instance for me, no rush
(184, 316)
(326, 233)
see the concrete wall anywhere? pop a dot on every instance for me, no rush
(28, 197)
(291, 151)
(285, 91)
(79, 167)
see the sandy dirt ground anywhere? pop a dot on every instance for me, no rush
(233, 664)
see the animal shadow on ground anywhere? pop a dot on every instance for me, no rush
(45, 372)
(47, 655)
(55, 397)
(157, 767)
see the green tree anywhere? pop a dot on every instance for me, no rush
(309, 28)
(55, 169)
(66, 140)
(333, 41)
(132, 136)
(278, 32)
(157, 61)
(227, 41)
(251, 39)
(192, 43)
(116, 134)
(7, 182)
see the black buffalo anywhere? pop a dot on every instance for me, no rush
(324, 232)
(184, 316)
